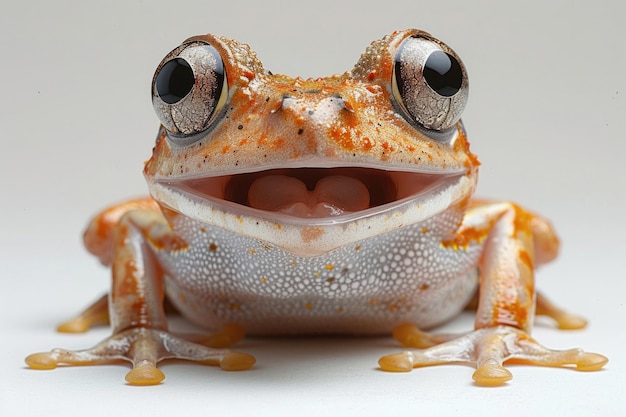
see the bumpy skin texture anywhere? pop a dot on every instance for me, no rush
(378, 232)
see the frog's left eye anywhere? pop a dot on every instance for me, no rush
(189, 89)
(429, 83)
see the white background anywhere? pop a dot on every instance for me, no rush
(546, 116)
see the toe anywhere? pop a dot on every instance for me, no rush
(591, 361)
(43, 360)
(77, 325)
(410, 336)
(226, 337)
(398, 362)
(146, 374)
(491, 374)
(237, 361)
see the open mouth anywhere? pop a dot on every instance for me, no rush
(314, 193)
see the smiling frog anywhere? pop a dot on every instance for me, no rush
(342, 205)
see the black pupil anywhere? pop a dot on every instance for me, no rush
(443, 74)
(175, 80)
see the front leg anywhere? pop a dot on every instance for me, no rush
(515, 242)
(140, 333)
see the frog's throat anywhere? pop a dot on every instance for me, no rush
(218, 202)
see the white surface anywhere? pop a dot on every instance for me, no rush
(546, 116)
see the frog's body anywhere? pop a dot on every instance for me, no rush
(336, 205)
(370, 286)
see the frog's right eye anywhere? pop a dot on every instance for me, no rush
(189, 89)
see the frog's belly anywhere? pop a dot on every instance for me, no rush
(368, 287)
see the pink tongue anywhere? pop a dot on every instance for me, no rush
(333, 195)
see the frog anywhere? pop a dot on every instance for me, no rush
(337, 205)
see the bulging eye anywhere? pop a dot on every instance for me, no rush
(189, 89)
(429, 83)
(175, 81)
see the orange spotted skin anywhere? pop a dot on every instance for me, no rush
(245, 226)
(276, 119)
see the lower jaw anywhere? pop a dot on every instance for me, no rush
(312, 236)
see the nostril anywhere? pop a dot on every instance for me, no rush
(344, 103)
(278, 103)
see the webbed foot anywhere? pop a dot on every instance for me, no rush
(488, 349)
(144, 348)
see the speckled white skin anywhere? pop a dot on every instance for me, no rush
(369, 286)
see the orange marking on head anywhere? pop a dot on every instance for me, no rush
(278, 143)
(342, 136)
(387, 147)
(367, 143)
(387, 68)
(349, 104)
(462, 145)
(472, 160)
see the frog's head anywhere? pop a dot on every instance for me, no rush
(311, 165)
